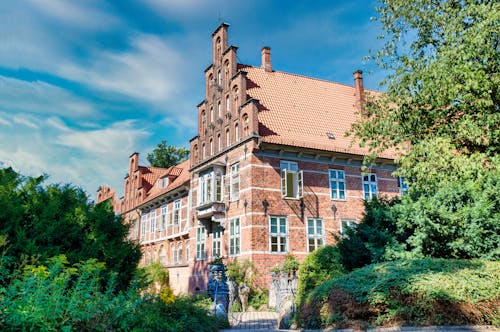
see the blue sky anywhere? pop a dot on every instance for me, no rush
(83, 84)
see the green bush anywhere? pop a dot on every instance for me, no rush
(416, 292)
(318, 267)
(61, 297)
(258, 298)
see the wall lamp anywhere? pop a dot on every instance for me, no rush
(265, 204)
(334, 209)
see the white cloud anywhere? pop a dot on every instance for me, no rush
(152, 70)
(85, 158)
(23, 120)
(42, 98)
(88, 15)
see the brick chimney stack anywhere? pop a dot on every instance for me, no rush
(266, 59)
(359, 91)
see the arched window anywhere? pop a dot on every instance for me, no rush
(228, 138)
(195, 153)
(228, 104)
(172, 254)
(219, 77)
(218, 143)
(218, 47)
(203, 151)
(179, 254)
(211, 152)
(235, 95)
(219, 110)
(203, 120)
(236, 133)
(245, 125)
(163, 255)
(211, 115)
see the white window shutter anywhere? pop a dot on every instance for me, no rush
(300, 182)
(283, 182)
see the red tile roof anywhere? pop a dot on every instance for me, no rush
(300, 111)
(179, 175)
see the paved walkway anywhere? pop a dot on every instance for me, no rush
(266, 321)
(253, 320)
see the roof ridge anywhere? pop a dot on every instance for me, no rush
(308, 77)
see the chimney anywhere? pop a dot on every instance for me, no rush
(266, 59)
(359, 91)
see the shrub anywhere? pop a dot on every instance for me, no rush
(416, 292)
(319, 266)
(243, 273)
(258, 298)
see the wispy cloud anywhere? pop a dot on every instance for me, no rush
(42, 98)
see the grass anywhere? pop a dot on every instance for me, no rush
(416, 292)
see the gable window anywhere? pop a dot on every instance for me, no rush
(228, 138)
(278, 234)
(315, 237)
(236, 133)
(203, 120)
(292, 185)
(235, 182)
(219, 110)
(211, 115)
(234, 236)
(211, 152)
(203, 151)
(228, 105)
(216, 242)
(218, 142)
(177, 212)
(201, 237)
(370, 186)
(187, 251)
(337, 184)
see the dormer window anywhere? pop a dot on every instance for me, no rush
(163, 182)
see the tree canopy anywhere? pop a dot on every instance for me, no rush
(167, 155)
(38, 222)
(441, 115)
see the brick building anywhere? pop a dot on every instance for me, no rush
(270, 172)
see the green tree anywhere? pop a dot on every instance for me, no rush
(441, 115)
(38, 222)
(167, 155)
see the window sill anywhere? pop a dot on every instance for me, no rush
(291, 198)
(339, 199)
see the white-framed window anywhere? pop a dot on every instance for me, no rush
(234, 237)
(337, 184)
(292, 184)
(210, 188)
(163, 255)
(345, 224)
(234, 192)
(187, 251)
(278, 234)
(403, 186)
(201, 237)
(152, 221)
(173, 254)
(163, 218)
(144, 221)
(176, 212)
(163, 182)
(370, 186)
(216, 242)
(179, 254)
(315, 234)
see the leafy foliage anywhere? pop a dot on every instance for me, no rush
(167, 155)
(39, 222)
(241, 272)
(418, 292)
(441, 116)
(318, 267)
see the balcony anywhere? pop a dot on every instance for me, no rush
(210, 211)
